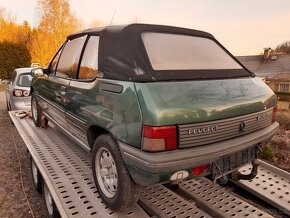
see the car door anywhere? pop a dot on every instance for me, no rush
(62, 69)
(82, 92)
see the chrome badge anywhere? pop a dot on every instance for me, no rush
(262, 116)
(208, 129)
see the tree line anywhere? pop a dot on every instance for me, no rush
(283, 48)
(21, 45)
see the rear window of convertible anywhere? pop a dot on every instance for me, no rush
(181, 52)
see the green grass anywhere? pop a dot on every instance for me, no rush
(267, 153)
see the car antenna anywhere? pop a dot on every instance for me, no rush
(113, 17)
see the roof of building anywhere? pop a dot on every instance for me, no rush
(277, 66)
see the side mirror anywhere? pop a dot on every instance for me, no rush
(37, 72)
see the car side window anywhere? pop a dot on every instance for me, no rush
(69, 59)
(53, 64)
(89, 64)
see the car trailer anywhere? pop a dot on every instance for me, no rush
(63, 172)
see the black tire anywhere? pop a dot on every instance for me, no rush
(50, 205)
(8, 108)
(36, 111)
(126, 192)
(7, 103)
(36, 177)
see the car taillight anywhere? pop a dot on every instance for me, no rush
(20, 93)
(17, 92)
(275, 108)
(26, 93)
(159, 138)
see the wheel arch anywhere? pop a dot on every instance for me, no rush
(94, 132)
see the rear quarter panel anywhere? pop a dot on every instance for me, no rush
(118, 113)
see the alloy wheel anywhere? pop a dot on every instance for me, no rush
(106, 172)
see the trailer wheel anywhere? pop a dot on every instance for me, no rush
(50, 205)
(111, 176)
(36, 111)
(36, 176)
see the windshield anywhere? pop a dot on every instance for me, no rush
(24, 80)
(181, 52)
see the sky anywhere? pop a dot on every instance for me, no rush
(244, 27)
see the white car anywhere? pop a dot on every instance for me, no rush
(18, 90)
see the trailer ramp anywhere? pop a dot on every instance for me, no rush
(271, 185)
(67, 172)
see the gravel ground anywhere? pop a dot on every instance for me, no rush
(18, 197)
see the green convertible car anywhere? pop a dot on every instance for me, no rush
(154, 104)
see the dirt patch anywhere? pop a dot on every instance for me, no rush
(17, 194)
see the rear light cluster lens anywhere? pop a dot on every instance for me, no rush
(21, 93)
(275, 108)
(159, 138)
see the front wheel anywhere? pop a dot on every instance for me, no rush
(111, 176)
(36, 111)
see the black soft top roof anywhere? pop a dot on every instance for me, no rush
(122, 55)
(139, 28)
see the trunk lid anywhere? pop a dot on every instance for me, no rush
(187, 102)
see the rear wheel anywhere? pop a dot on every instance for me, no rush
(36, 111)
(36, 176)
(111, 176)
(50, 205)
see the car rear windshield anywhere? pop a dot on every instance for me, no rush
(182, 52)
(24, 80)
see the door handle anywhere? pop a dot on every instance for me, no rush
(63, 90)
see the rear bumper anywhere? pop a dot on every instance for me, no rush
(20, 103)
(20, 106)
(144, 164)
